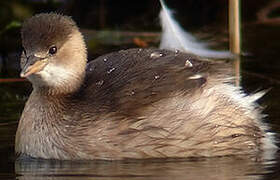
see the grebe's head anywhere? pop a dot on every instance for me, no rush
(54, 55)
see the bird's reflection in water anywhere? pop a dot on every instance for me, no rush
(203, 168)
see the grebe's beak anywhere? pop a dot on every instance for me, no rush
(33, 65)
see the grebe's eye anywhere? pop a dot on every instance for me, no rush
(52, 50)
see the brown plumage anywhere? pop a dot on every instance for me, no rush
(136, 103)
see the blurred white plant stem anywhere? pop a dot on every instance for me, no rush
(174, 37)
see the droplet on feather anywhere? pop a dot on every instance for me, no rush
(110, 70)
(100, 83)
(155, 55)
(196, 76)
(188, 64)
(157, 76)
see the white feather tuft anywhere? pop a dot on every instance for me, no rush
(256, 96)
(175, 38)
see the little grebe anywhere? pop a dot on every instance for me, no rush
(135, 103)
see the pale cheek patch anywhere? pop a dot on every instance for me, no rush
(54, 76)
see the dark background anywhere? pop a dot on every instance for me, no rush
(138, 15)
(131, 14)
